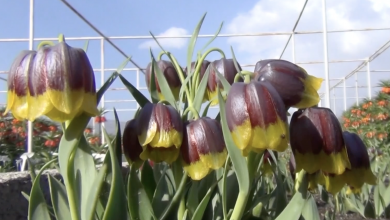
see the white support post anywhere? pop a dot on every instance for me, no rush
(345, 94)
(30, 126)
(368, 79)
(326, 62)
(334, 101)
(356, 89)
(102, 79)
(293, 46)
(138, 84)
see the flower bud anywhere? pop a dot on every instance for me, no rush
(203, 147)
(296, 88)
(227, 69)
(130, 144)
(317, 142)
(256, 117)
(170, 75)
(160, 131)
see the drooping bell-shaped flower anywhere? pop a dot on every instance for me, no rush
(360, 171)
(171, 75)
(297, 88)
(160, 132)
(317, 141)
(203, 147)
(256, 117)
(60, 83)
(18, 84)
(130, 144)
(227, 69)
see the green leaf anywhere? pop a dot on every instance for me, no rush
(116, 205)
(310, 210)
(354, 205)
(138, 96)
(192, 43)
(59, 199)
(136, 196)
(199, 212)
(93, 195)
(192, 198)
(118, 140)
(153, 90)
(112, 78)
(37, 207)
(226, 85)
(235, 61)
(294, 208)
(147, 180)
(198, 100)
(213, 38)
(239, 162)
(162, 82)
(26, 196)
(206, 109)
(85, 48)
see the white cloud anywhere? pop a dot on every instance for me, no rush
(167, 43)
(280, 16)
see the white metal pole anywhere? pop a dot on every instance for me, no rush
(102, 79)
(356, 89)
(368, 79)
(30, 47)
(334, 102)
(293, 46)
(345, 94)
(326, 62)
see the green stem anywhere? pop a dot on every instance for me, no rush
(161, 54)
(193, 111)
(195, 79)
(239, 208)
(181, 77)
(70, 188)
(176, 198)
(225, 171)
(45, 43)
(61, 38)
(182, 208)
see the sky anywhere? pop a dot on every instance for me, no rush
(170, 17)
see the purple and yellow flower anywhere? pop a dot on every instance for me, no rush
(57, 81)
(317, 141)
(130, 144)
(256, 117)
(170, 74)
(227, 69)
(296, 88)
(160, 132)
(203, 147)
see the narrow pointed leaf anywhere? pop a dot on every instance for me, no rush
(85, 48)
(148, 180)
(235, 61)
(213, 38)
(164, 86)
(192, 43)
(201, 90)
(59, 199)
(37, 207)
(199, 212)
(94, 193)
(138, 96)
(153, 89)
(206, 109)
(310, 210)
(236, 157)
(116, 204)
(226, 85)
(110, 80)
